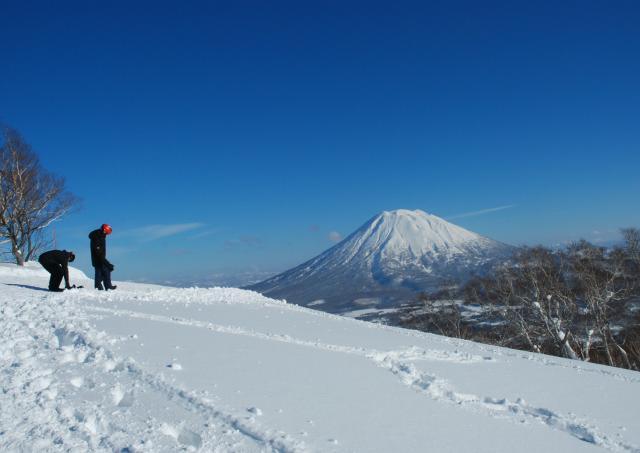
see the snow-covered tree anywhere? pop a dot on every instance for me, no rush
(536, 298)
(568, 302)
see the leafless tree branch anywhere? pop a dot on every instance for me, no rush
(31, 198)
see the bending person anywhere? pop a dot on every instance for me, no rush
(99, 260)
(56, 263)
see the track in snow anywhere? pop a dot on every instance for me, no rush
(399, 363)
(35, 354)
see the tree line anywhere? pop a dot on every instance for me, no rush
(31, 198)
(581, 302)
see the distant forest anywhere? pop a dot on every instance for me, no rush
(581, 302)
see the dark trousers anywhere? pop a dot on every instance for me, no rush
(103, 275)
(56, 274)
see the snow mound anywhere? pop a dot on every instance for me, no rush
(34, 269)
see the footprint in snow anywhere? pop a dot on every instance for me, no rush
(175, 366)
(255, 411)
(183, 436)
(50, 393)
(40, 384)
(190, 438)
(67, 338)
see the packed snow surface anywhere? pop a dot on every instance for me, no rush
(392, 256)
(153, 369)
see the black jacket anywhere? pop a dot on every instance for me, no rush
(98, 248)
(57, 257)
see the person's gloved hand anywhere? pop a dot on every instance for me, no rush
(111, 267)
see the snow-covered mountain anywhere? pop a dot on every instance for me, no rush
(147, 369)
(386, 261)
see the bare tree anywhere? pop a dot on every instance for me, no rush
(441, 314)
(535, 298)
(568, 302)
(579, 302)
(632, 242)
(31, 198)
(604, 280)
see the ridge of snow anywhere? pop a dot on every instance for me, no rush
(33, 268)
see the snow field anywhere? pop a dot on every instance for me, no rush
(146, 368)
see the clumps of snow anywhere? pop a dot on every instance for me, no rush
(110, 365)
(120, 397)
(73, 355)
(366, 301)
(50, 393)
(365, 312)
(77, 381)
(170, 430)
(255, 411)
(315, 303)
(40, 384)
(175, 366)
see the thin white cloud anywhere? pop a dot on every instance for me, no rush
(334, 236)
(206, 233)
(481, 212)
(158, 231)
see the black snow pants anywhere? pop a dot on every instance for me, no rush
(103, 275)
(56, 274)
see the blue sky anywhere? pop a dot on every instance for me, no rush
(236, 136)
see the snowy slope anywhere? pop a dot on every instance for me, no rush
(153, 369)
(387, 260)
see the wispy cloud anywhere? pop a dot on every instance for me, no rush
(158, 231)
(243, 241)
(206, 233)
(334, 236)
(481, 212)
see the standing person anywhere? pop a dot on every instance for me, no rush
(56, 263)
(99, 257)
